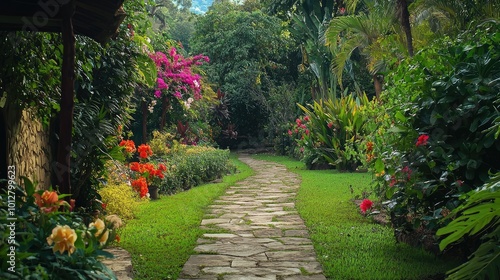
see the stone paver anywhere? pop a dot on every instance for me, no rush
(255, 232)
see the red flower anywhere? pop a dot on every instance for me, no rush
(117, 238)
(330, 125)
(141, 186)
(422, 140)
(135, 166)
(393, 181)
(162, 167)
(290, 132)
(144, 151)
(104, 205)
(365, 205)
(306, 118)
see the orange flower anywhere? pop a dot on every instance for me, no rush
(129, 146)
(48, 201)
(63, 238)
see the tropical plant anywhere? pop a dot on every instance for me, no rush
(365, 32)
(478, 218)
(334, 129)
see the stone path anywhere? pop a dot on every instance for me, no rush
(255, 232)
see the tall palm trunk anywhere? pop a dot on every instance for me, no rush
(404, 19)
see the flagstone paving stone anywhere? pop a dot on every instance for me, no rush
(261, 236)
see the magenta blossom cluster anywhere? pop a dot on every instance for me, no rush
(175, 74)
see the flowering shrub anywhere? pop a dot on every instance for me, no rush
(175, 76)
(436, 145)
(144, 173)
(55, 244)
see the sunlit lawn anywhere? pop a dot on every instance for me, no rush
(348, 245)
(164, 234)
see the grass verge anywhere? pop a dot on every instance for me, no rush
(163, 235)
(348, 245)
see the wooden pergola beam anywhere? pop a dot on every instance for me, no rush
(67, 99)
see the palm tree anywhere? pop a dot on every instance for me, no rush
(362, 32)
(451, 16)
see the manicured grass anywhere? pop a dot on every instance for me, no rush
(164, 233)
(348, 245)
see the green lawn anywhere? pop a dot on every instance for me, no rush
(164, 234)
(350, 246)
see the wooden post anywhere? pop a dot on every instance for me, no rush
(62, 169)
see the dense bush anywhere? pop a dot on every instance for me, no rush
(189, 166)
(120, 200)
(50, 241)
(436, 145)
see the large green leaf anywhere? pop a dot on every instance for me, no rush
(484, 263)
(481, 210)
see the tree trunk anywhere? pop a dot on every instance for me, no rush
(377, 83)
(62, 168)
(144, 108)
(404, 18)
(165, 103)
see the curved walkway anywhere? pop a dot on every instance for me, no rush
(255, 231)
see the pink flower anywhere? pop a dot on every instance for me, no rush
(422, 140)
(330, 124)
(298, 121)
(365, 205)
(290, 132)
(306, 118)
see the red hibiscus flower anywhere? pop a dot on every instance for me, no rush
(422, 140)
(365, 205)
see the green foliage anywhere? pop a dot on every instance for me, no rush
(165, 231)
(33, 255)
(190, 166)
(347, 244)
(478, 217)
(334, 129)
(30, 71)
(120, 200)
(247, 51)
(446, 93)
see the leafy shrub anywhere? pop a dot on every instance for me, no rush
(437, 145)
(333, 129)
(189, 166)
(120, 200)
(41, 252)
(477, 218)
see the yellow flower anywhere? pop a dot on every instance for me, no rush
(63, 238)
(101, 227)
(380, 174)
